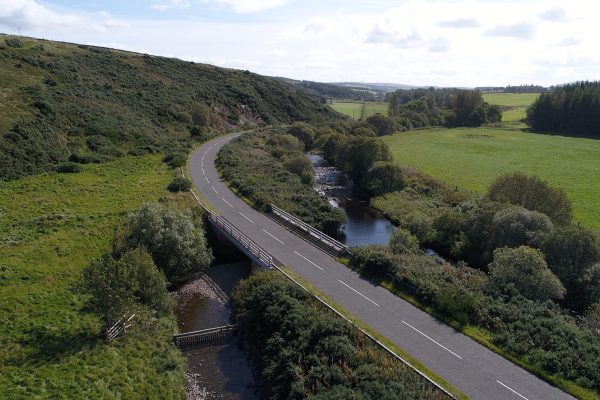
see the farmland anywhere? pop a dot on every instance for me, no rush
(355, 109)
(472, 157)
(513, 105)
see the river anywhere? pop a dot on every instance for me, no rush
(365, 225)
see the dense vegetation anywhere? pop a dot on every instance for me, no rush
(51, 226)
(91, 104)
(572, 108)
(333, 91)
(270, 167)
(417, 108)
(300, 350)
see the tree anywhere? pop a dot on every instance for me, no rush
(177, 246)
(384, 177)
(571, 253)
(180, 185)
(525, 270)
(356, 155)
(464, 104)
(384, 125)
(534, 194)
(517, 226)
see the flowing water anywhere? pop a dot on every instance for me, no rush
(365, 225)
(220, 371)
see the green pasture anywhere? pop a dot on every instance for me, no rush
(51, 344)
(514, 105)
(472, 158)
(355, 109)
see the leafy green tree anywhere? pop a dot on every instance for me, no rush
(534, 194)
(524, 270)
(383, 125)
(384, 177)
(517, 226)
(150, 285)
(572, 254)
(357, 155)
(177, 246)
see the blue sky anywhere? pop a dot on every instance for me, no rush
(419, 42)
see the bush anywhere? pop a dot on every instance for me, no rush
(517, 226)
(524, 270)
(382, 124)
(177, 246)
(384, 177)
(13, 42)
(534, 194)
(175, 159)
(304, 132)
(117, 284)
(298, 164)
(402, 241)
(68, 168)
(180, 185)
(201, 115)
(372, 260)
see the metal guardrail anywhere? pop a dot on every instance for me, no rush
(193, 339)
(118, 328)
(327, 240)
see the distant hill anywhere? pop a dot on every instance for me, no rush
(63, 101)
(380, 87)
(335, 91)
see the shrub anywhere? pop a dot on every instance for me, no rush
(180, 185)
(304, 132)
(525, 270)
(571, 253)
(517, 226)
(298, 164)
(382, 124)
(201, 115)
(402, 241)
(68, 168)
(177, 246)
(372, 260)
(534, 194)
(384, 177)
(175, 159)
(13, 42)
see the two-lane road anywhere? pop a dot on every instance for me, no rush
(469, 366)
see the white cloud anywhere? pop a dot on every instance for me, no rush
(523, 30)
(250, 6)
(555, 14)
(164, 5)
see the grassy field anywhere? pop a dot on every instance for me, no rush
(50, 343)
(355, 109)
(472, 157)
(513, 105)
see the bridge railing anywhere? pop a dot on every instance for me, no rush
(193, 339)
(261, 254)
(325, 239)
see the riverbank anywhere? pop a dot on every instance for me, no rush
(219, 371)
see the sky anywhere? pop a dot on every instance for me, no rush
(463, 43)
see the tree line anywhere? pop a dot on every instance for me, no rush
(569, 108)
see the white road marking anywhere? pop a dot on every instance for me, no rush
(245, 217)
(351, 288)
(273, 236)
(203, 173)
(213, 188)
(439, 344)
(205, 177)
(308, 260)
(514, 391)
(228, 203)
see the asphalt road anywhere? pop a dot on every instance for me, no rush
(469, 366)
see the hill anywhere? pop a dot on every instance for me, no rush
(336, 91)
(93, 104)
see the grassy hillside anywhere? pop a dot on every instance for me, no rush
(472, 157)
(58, 100)
(50, 343)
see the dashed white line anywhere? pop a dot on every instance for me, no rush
(203, 173)
(245, 216)
(205, 177)
(356, 291)
(439, 344)
(308, 260)
(228, 203)
(273, 236)
(512, 390)
(213, 188)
